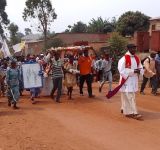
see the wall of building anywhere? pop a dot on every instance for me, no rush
(142, 39)
(155, 41)
(154, 26)
(34, 48)
(96, 46)
(37, 47)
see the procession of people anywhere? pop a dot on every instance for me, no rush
(61, 72)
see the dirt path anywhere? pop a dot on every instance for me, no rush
(80, 124)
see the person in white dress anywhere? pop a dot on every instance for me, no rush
(130, 67)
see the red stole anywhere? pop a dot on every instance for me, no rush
(128, 61)
(128, 65)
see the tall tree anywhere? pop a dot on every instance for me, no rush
(110, 26)
(101, 25)
(43, 11)
(13, 30)
(79, 27)
(96, 25)
(51, 34)
(130, 22)
(28, 31)
(3, 16)
(20, 35)
(69, 29)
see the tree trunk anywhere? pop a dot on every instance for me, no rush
(45, 40)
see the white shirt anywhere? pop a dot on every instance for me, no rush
(131, 85)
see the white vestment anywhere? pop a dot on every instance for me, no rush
(130, 86)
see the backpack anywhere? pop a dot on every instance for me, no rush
(142, 61)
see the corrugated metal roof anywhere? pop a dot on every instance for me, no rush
(32, 37)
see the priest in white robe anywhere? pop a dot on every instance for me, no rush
(129, 67)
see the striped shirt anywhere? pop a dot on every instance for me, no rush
(57, 71)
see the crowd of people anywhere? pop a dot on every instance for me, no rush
(61, 71)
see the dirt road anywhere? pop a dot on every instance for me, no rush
(79, 124)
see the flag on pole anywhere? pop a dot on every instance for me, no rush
(1, 54)
(18, 47)
(4, 48)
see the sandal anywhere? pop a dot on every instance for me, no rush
(129, 116)
(137, 117)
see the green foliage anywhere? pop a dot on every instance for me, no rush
(55, 43)
(95, 26)
(3, 16)
(67, 31)
(15, 36)
(101, 26)
(51, 34)
(110, 26)
(130, 22)
(117, 45)
(28, 31)
(20, 35)
(79, 27)
(42, 11)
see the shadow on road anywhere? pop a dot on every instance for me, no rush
(150, 115)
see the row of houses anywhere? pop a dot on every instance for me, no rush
(144, 40)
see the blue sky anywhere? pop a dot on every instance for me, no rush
(71, 11)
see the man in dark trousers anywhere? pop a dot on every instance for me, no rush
(157, 65)
(85, 67)
(57, 76)
(149, 73)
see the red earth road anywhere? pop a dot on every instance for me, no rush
(79, 124)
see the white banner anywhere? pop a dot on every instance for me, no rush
(31, 77)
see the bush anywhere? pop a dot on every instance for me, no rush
(117, 45)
